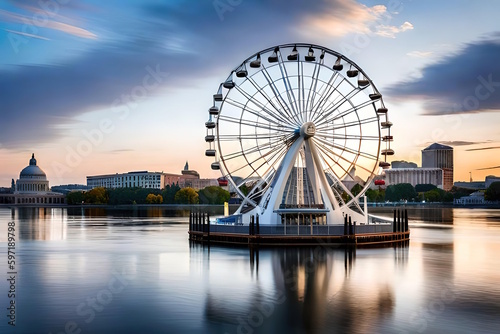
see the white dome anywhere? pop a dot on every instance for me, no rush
(32, 171)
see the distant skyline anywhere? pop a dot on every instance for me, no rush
(96, 87)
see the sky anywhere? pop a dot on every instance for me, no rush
(95, 87)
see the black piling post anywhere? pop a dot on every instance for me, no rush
(257, 224)
(208, 227)
(354, 228)
(202, 219)
(190, 221)
(345, 225)
(399, 222)
(350, 226)
(394, 223)
(251, 227)
(406, 221)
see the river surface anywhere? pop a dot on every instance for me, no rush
(134, 271)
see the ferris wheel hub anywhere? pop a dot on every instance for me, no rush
(307, 130)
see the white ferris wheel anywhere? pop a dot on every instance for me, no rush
(298, 129)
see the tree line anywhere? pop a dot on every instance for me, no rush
(171, 194)
(426, 192)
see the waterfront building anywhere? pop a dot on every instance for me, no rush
(32, 187)
(414, 176)
(141, 179)
(440, 156)
(490, 179)
(474, 185)
(151, 180)
(476, 198)
(67, 188)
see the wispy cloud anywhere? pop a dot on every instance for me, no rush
(459, 143)
(342, 17)
(391, 31)
(48, 23)
(487, 168)
(26, 34)
(420, 54)
(484, 148)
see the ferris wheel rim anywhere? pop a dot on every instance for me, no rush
(222, 160)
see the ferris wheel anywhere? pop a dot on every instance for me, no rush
(298, 126)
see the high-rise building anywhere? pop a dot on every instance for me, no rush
(440, 156)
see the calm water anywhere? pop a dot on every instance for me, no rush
(98, 271)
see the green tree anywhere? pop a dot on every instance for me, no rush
(398, 192)
(375, 195)
(213, 195)
(422, 188)
(356, 189)
(154, 199)
(97, 195)
(169, 193)
(75, 197)
(186, 196)
(434, 195)
(493, 192)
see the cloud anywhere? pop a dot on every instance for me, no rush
(46, 22)
(459, 143)
(391, 31)
(467, 81)
(38, 102)
(484, 148)
(26, 34)
(495, 167)
(342, 17)
(420, 54)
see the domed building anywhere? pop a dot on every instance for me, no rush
(32, 187)
(32, 179)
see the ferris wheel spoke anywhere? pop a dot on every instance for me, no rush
(314, 82)
(354, 108)
(250, 137)
(251, 111)
(249, 123)
(333, 127)
(275, 120)
(289, 88)
(347, 137)
(276, 150)
(278, 96)
(334, 105)
(327, 92)
(284, 118)
(340, 183)
(253, 149)
(326, 146)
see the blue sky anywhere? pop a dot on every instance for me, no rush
(98, 87)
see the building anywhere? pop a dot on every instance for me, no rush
(67, 188)
(489, 180)
(141, 179)
(440, 156)
(403, 164)
(415, 176)
(476, 198)
(151, 180)
(32, 187)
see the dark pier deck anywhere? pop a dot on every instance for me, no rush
(347, 235)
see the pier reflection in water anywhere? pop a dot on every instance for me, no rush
(445, 280)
